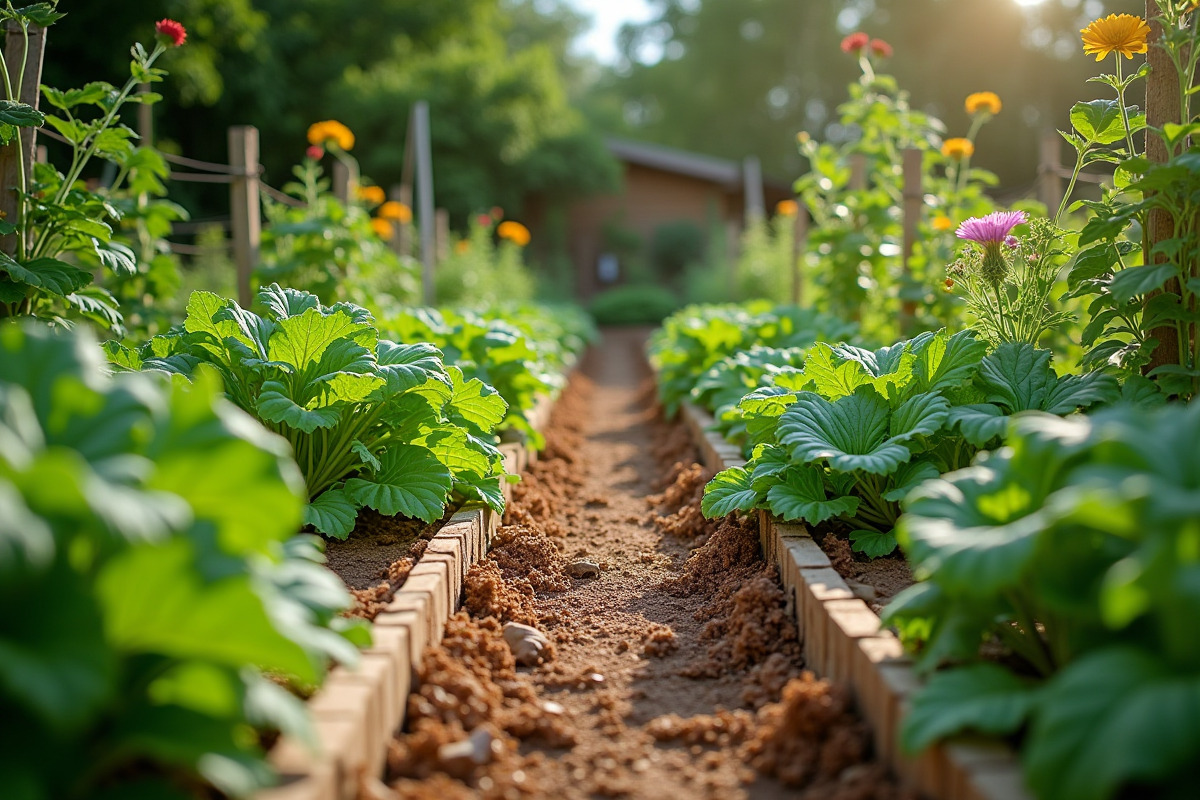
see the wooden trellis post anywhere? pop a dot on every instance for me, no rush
(244, 205)
(16, 161)
(913, 193)
(1050, 168)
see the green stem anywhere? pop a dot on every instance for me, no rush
(1124, 112)
(1062, 206)
(1041, 659)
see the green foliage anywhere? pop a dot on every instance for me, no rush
(481, 271)
(149, 557)
(633, 304)
(329, 248)
(1075, 549)
(695, 338)
(372, 422)
(523, 352)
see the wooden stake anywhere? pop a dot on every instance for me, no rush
(914, 192)
(244, 206)
(16, 159)
(442, 233)
(799, 246)
(340, 179)
(1050, 181)
(145, 120)
(423, 153)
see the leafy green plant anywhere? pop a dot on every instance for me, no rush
(633, 304)
(61, 227)
(1072, 553)
(487, 266)
(152, 572)
(373, 423)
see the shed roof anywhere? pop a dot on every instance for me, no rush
(696, 165)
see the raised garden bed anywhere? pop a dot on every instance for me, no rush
(844, 641)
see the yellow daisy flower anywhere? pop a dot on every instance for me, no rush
(942, 223)
(983, 102)
(395, 211)
(1124, 34)
(958, 149)
(371, 194)
(383, 229)
(515, 232)
(787, 208)
(331, 130)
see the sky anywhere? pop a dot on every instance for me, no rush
(607, 17)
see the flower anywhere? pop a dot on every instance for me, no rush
(395, 211)
(958, 149)
(515, 232)
(992, 231)
(383, 229)
(804, 137)
(1123, 34)
(371, 194)
(942, 223)
(787, 208)
(483, 220)
(462, 246)
(497, 213)
(315, 152)
(983, 103)
(1011, 242)
(331, 130)
(855, 42)
(881, 49)
(171, 31)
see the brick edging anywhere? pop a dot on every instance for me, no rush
(844, 641)
(356, 712)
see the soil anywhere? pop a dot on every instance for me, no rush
(674, 674)
(377, 540)
(876, 580)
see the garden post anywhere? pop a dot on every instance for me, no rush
(913, 193)
(422, 150)
(752, 187)
(244, 205)
(1162, 106)
(341, 181)
(1050, 169)
(16, 159)
(441, 234)
(799, 245)
(145, 119)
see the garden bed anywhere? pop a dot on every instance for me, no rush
(844, 641)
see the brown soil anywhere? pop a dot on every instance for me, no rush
(875, 580)
(675, 674)
(377, 540)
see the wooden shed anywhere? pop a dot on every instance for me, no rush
(606, 235)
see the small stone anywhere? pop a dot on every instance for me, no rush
(527, 643)
(584, 569)
(460, 758)
(552, 708)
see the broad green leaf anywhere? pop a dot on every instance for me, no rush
(979, 423)
(850, 433)
(980, 698)
(411, 482)
(920, 415)
(274, 405)
(1117, 717)
(872, 544)
(728, 491)
(20, 115)
(1071, 392)
(473, 404)
(282, 302)
(1136, 281)
(117, 257)
(946, 362)
(331, 513)
(1098, 121)
(1017, 376)
(908, 477)
(307, 342)
(831, 376)
(802, 496)
(50, 274)
(407, 366)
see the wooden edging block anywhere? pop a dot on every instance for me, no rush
(843, 640)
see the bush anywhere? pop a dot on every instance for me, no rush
(633, 305)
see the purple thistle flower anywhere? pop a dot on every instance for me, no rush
(991, 229)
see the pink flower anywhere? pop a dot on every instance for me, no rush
(1011, 242)
(172, 31)
(315, 152)
(855, 42)
(991, 229)
(881, 49)
(484, 220)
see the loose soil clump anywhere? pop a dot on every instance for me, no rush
(674, 673)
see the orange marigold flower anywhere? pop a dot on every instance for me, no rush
(983, 102)
(855, 42)
(371, 194)
(941, 223)
(331, 130)
(881, 49)
(383, 229)
(171, 31)
(462, 246)
(395, 211)
(514, 232)
(787, 208)
(958, 148)
(1123, 34)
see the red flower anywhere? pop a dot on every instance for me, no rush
(314, 152)
(855, 42)
(881, 48)
(484, 220)
(172, 30)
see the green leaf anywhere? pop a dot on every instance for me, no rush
(1072, 392)
(117, 257)
(331, 513)
(979, 423)
(729, 490)
(473, 404)
(281, 302)
(1017, 376)
(802, 496)
(411, 481)
(1137, 281)
(1098, 121)
(909, 477)
(1115, 718)
(20, 115)
(872, 544)
(850, 433)
(947, 362)
(50, 274)
(274, 405)
(920, 415)
(981, 698)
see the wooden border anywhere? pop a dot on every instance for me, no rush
(844, 641)
(357, 711)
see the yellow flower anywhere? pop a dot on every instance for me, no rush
(462, 246)
(383, 229)
(331, 130)
(371, 194)
(958, 149)
(1124, 34)
(515, 232)
(987, 102)
(804, 136)
(787, 208)
(396, 211)
(941, 223)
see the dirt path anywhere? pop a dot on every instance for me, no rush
(666, 670)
